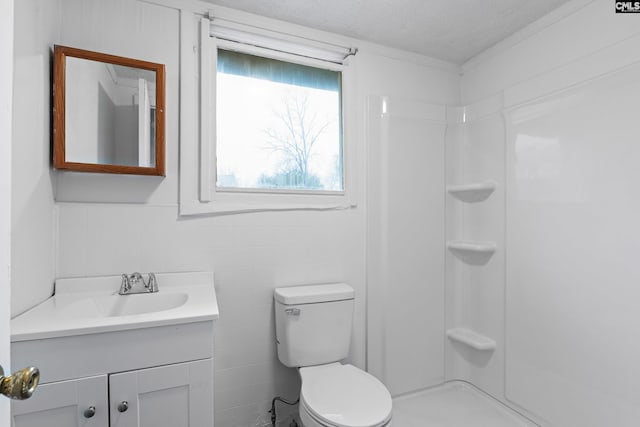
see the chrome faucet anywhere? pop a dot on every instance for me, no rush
(134, 284)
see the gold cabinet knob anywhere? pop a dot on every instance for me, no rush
(21, 384)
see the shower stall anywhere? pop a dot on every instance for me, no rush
(503, 281)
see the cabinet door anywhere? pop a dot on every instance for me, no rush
(167, 396)
(63, 404)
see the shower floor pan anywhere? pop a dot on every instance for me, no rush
(454, 404)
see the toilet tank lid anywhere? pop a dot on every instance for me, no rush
(309, 294)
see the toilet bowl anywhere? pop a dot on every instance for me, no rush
(337, 395)
(313, 333)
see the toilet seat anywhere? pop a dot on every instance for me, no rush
(310, 420)
(339, 395)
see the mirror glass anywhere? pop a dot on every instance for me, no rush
(108, 113)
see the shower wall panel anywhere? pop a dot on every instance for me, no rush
(573, 239)
(406, 243)
(475, 292)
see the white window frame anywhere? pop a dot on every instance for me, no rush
(198, 191)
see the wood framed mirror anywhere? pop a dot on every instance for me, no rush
(109, 113)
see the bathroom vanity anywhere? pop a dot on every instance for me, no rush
(109, 360)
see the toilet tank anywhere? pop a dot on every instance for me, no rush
(313, 323)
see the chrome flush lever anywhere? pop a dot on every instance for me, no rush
(292, 311)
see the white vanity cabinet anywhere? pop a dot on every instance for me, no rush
(63, 403)
(180, 394)
(166, 396)
(119, 361)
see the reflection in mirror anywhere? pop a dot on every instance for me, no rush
(109, 113)
(113, 108)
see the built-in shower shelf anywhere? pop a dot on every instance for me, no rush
(472, 193)
(472, 252)
(471, 339)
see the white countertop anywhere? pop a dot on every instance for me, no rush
(91, 305)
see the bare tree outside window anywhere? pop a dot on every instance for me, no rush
(278, 125)
(296, 131)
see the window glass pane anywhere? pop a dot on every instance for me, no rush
(278, 125)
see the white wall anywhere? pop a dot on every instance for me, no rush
(567, 91)
(112, 224)
(574, 31)
(6, 96)
(33, 220)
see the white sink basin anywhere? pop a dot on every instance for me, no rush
(125, 305)
(90, 305)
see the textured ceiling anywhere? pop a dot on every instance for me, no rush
(452, 30)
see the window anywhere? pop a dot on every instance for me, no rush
(278, 125)
(264, 127)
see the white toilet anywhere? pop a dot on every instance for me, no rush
(313, 332)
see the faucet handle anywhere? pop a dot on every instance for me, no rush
(125, 286)
(134, 283)
(152, 284)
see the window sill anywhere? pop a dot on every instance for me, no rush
(246, 202)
